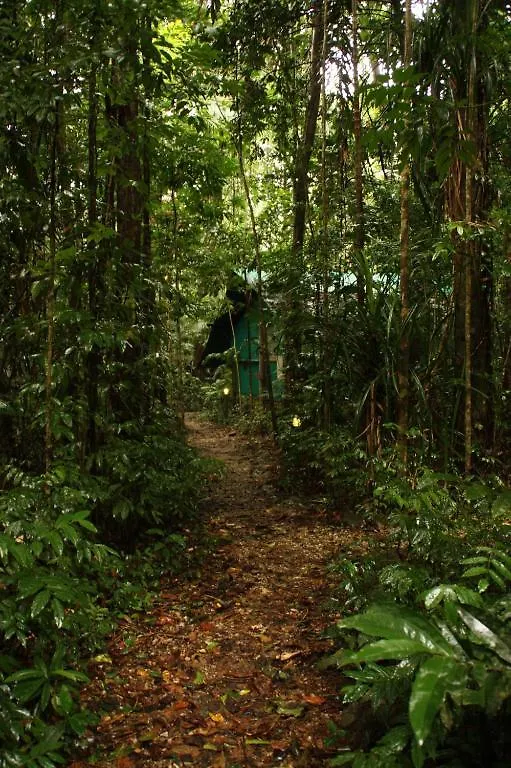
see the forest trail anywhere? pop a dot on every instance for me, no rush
(222, 673)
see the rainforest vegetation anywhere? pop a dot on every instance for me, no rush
(351, 160)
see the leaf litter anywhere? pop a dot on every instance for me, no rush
(222, 671)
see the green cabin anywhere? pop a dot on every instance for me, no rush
(247, 343)
(244, 318)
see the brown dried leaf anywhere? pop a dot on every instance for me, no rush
(286, 655)
(185, 750)
(316, 701)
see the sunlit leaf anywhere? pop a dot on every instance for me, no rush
(434, 679)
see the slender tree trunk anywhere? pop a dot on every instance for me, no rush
(237, 361)
(359, 234)
(469, 261)
(468, 203)
(264, 351)
(93, 359)
(300, 195)
(404, 344)
(50, 301)
(178, 358)
(266, 379)
(147, 312)
(326, 345)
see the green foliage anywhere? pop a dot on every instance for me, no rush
(457, 659)
(49, 615)
(146, 481)
(433, 653)
(329, 462)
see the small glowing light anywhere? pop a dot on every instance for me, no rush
(297, 422)
(226, 390)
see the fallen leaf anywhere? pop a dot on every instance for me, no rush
(124, 762)
(256, 742)
(280, 746)
(290, 710)
(286, 655)
(143, 673)
(217, 717)
(165, 620)
(184, 750)
(182, 704)
(314, 700)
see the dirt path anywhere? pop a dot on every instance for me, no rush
(223, 674)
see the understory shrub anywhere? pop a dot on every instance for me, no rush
(328, 462)
(50, 618)
(146, 480)
(62, 586)
(428, 647)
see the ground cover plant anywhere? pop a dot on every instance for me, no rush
(427, 645)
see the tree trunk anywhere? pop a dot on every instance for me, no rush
(468, 203)
(403, 373)
(93, 358)
(326, 340)
(300, 194)
(264, 350)
(50, 300)
(359, 233)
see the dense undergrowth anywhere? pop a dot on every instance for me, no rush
(426, 638)
(77, 551)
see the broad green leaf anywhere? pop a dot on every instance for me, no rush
(58, 612)
(55, 539)
(71, 674)
(81, 518)
(477, 570)
(51, 741)
(29, 585)
(44, 698)
(384, 649)
(497, 565)
(475, 560)
(485, 635)
(62, 701)
(496, 578)
(28, 689)
(434, 679)
(435, 596)
(453, 593)
(396, 740)
(468, 596)
(393, 622)
(40, 602)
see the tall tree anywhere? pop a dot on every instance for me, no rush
(404, 342)
(300, 182)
